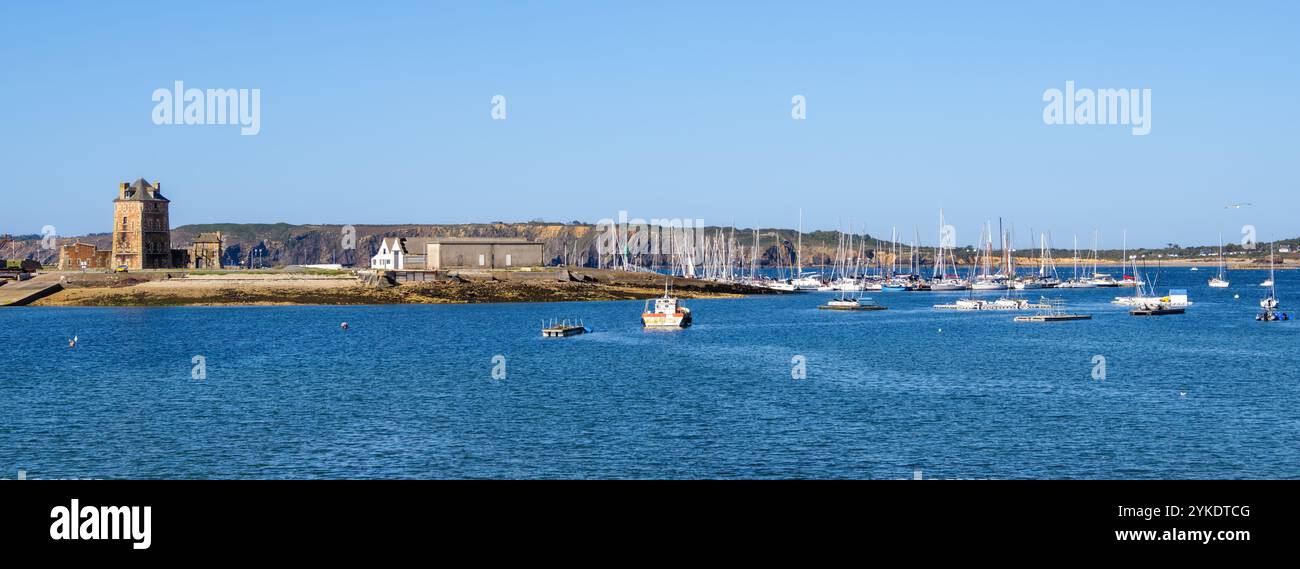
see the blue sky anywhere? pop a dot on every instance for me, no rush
(380, 113)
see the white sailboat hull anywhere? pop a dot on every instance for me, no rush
(943, 287)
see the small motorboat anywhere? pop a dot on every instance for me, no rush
(668, 312)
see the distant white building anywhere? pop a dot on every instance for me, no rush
(440, 253)
(400, 254)
(386, 258)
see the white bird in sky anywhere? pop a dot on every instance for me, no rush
(1236, 205)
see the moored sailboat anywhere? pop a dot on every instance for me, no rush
(944, 261)
(1270, 303)
(1220, 280)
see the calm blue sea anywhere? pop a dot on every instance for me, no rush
(409, 392)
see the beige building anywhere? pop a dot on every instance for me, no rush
(485, 253)
(424, 253)
(141, 228)
(206, 251)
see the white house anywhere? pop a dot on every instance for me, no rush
(387, 257)
(400, 254)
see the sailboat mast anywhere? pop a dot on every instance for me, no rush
(1124, 256)
(799, 252)
(938, 261)
(1075, 271)
(1221, 263)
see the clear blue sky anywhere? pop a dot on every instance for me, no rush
(379, 112)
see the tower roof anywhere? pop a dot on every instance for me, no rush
(141, 190)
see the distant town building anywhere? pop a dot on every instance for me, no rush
(141, 228)
(206, 251)
(77, 256)
(422, 253)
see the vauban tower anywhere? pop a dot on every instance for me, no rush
(141, 229)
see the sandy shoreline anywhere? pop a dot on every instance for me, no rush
(290, 289)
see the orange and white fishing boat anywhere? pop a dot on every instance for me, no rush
(668, 312)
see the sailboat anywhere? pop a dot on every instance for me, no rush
(987, 280)
(1270, 302)
(1076, 281)
(1099, 279)
(1140, 295)
(846, 301)
(897, 282)
(1128, 280)
(1221, 280)
(1046, 277)
(1144, 294)
(943, 262)
(1269, 281)
(780, 283)
(803, 281)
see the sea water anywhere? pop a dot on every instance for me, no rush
(759, 387)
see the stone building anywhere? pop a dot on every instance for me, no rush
(206, 251)
(76, 256)
(141, 228)
(425, 253)
(483, 253)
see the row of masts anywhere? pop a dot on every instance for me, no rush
(730, 254)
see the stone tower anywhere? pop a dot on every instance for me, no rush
(141, 229)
